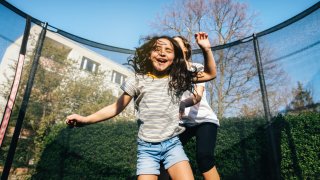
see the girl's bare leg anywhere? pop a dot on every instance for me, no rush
(181, 171)
(212, 174)
(147, 177)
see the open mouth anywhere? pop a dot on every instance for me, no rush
(162, 61)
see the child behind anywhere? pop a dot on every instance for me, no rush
(200, 121)
(161, 78)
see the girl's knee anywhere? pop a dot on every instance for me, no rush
(205, 161)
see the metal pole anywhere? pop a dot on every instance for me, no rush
(24, 104)
(15, 85)
(261, 79)
(266, 107)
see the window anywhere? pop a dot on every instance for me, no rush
(117, 77)
(89, 65)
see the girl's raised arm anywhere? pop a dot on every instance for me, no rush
(210, 70)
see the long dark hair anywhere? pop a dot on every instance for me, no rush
(186, 43)
(180, 77)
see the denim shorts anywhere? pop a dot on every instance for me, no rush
(150, 155)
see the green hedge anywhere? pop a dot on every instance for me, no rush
(99, 151)
(108, 150)
(300, 142)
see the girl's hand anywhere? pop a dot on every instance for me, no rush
(75, 120)
(182, 108)
(203, 40)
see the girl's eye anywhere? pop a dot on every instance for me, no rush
(169, 50)
(157, 49)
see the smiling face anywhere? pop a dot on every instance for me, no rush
(162, 56)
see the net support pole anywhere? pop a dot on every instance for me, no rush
(262, 82)
(15, 85)
(24, 104)
(274, 161)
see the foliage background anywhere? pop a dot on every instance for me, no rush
(108, 150)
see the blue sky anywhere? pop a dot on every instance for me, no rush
(121, 23)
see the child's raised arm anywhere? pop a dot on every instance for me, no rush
(101, 115)
(210, 71)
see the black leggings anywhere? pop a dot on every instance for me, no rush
(206, 135)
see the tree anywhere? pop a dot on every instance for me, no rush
(302, 99)
(59, 88)
(225, 21)
(277, 98)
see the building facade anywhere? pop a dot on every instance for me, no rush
(86, 59)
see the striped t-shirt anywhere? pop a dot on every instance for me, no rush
(157, 112)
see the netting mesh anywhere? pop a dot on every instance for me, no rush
(76, 75)
(292, 55)
(11, 31)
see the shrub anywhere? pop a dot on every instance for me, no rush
(108, 150)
